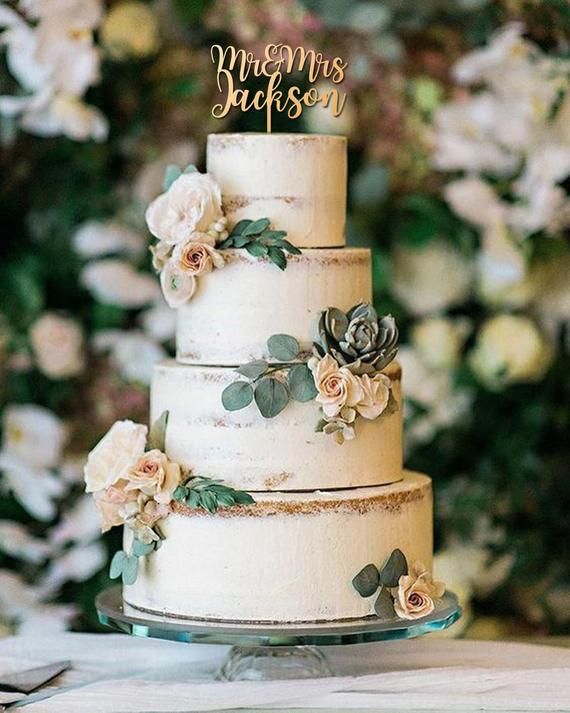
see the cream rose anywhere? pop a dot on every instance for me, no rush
(58, 346)
(111, 504)
(113, 457)
(192, 203)
(198, 255)
(375, 395)
(155, 476)
(510, 349)
(177, 286)
(415, 593)
(337, 387)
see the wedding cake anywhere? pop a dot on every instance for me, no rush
(271, 486)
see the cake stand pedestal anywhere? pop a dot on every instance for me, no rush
(270, 651)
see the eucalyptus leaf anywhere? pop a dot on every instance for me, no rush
(257, 249)
(257, 227)
(240, 226)
(180, 494)
(271, 397)
(301, 383)
(384, 605)
(240, 241)
(130, 569)
(274, 235)
(193, 499)
(141, 549)
(170, 175)
(395, 567)
(190, 168)
(253, 370)
(286, 245)
(241, 497)
(157, 435)
(283, 347)
(237, 396)
(367, 580)
(277, 257)
(117, 564)
(209, 501)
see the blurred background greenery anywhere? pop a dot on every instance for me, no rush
(459, 154)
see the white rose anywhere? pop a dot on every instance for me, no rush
(95, 238)
(431, 278)
(116, 282)
(439, 341)
(33, 434)
(58, 345)
(178, 286)
(130, 30)
(191, 204)
(114, 455)
(375, 395)
(510, 349)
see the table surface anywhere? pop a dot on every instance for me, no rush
(114, 673)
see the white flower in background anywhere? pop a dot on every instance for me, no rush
(20, 41)
(80, 523)
(177, 285)
(47, 619)
(58, 345)
(148, 182)
(114, 281)
(475, 201)
(130, 30)
(76, 564)
(439, 341)
(132, 353)
(431, 278)
(510, 349)
(98, 238)
(16, 597)
(159, 322)
(79, 14)
(33, 434)
(36, 489)
(16, 541)
(69, 116)
(501, 265)
(114, 455)
(71, 468)
(442, 404)
(192, 203)
(320, 119)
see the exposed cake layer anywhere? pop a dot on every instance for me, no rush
(296, 180)
(291, 557)
(250, 452)
(235, 310)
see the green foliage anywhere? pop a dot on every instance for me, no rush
(271, 397)
(157, 434)
(367, 581)
(237, 396)
(210, 495)
(283, 347)
(260, 241)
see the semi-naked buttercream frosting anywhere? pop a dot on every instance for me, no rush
(290, 557)
(250, 452)
(296, 180)
(235, 310)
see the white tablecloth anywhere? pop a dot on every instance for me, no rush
(115, 673)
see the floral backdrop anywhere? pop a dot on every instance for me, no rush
(459, 129)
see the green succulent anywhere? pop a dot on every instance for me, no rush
(358, 339)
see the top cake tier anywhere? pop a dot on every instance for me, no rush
(296, 180)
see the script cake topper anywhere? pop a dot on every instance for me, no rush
(278, 60)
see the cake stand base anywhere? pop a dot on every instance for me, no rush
(264, 652)
(269, 663)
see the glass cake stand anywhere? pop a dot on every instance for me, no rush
(270, 651)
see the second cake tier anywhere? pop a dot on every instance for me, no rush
(253, 453)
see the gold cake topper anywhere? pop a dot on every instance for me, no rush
(278, 60)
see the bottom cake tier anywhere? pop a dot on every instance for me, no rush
(290, 557)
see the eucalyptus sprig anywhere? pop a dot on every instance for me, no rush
(272, 386)
(370, 580)
(210, 494)
(126, 566)
(260, 241)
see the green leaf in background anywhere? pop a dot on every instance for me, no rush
(283, 347)
(271, 397)
(301, 383)
(157, 434)
(171, 173)
(395, 567)
(370, 185)
(253, 370)
(130, 569)
(117, 564)
(237, 396)
(367, 580)
(384, 605)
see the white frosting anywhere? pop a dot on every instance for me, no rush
(235, 310)
(284, 566)
(298, 181)
(284, 453)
